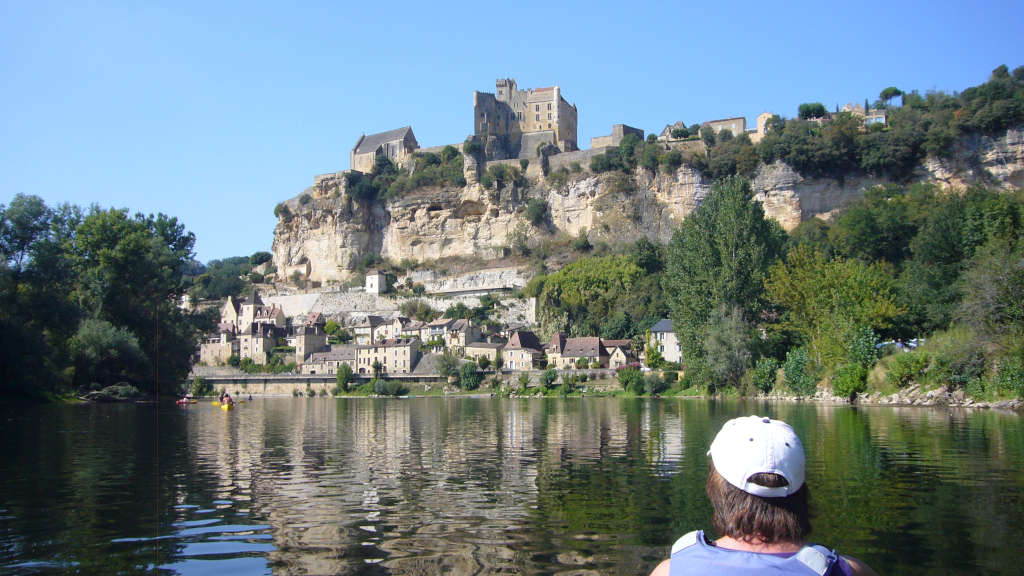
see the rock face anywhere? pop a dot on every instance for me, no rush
(324, 233)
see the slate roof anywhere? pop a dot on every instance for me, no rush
(485, 345)
(336, 353)
(589, 347)
(624, 343)
(523, 340)
(371, 142)
(663, 325)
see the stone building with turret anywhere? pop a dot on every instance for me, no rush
(513, 123)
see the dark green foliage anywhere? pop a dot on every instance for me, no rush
(548, 378)
(418, 310)
(589, 295)
(201, 387)
(632, 380)
(499, 176)
(765, 373)
(862, 348)
(305, 199)
(719, 256)
(282, 211)
(849, 380)
(581, 243)
(923, 125)
(679, 133)
(731, 156)
(905, 368)
(472, 147)
(811, 110)
(654, 384)
(343, 379)
(91, 298)
(796, 373)
(537, 211)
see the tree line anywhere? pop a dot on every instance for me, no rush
(90, 298)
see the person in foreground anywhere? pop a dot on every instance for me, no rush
(760, 500)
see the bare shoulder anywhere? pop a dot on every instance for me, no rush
(859, 568)
(661, 569)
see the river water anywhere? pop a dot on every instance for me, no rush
(480, 486)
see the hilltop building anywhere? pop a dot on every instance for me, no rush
(396, 145)
(513, 123)
(619, 131)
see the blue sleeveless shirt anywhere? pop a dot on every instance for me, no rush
(693, 554)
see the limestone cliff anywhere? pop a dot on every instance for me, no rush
(324, 233)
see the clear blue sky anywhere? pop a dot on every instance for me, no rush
(214, 113)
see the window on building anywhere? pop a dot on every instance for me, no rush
(536, 117)
(549, 106)
(549, 115)
(536, 107)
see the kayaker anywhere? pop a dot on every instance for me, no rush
(226, 399)
(760, 501)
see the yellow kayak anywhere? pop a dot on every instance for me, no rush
(227, 406)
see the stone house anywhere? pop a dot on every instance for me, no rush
(564, 352)
(396, 356)
(490, 350)
(460, 333)
(258, 342)
(396, 145)
(411, 328)
(366, 331)
(512, 123)
(330, 361)
(308, 339)
(663, 339)
(522, 352)
(666, 133)
(736, 125)
(216, 350)
(376, 282)
(620, 352)
(619, 131)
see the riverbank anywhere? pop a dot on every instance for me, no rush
(420, 386)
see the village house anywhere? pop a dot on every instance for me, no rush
(258, 342)
(376, 282)
(736, 125)
(460, 333)
(216, 350)
(396, 145)
(330, 361)
(522, 352)
(309, 337)
(396, 356)
(663, 339)
(564, 353)
(366, 331)
(620, 352)
(489, 350)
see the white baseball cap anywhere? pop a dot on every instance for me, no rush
(751, 445)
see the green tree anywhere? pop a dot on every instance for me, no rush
(548, 377)
(469, 378)
(344, 377)
(537, 211)
(823, 301)
(809, 110)
(719, 256)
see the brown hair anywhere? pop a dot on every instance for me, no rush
(752, 518)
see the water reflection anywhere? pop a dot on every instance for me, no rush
(480, 486)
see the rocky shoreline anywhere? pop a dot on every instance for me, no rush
(915, 396)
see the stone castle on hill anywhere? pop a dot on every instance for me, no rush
(513, 123)
(509, 123)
